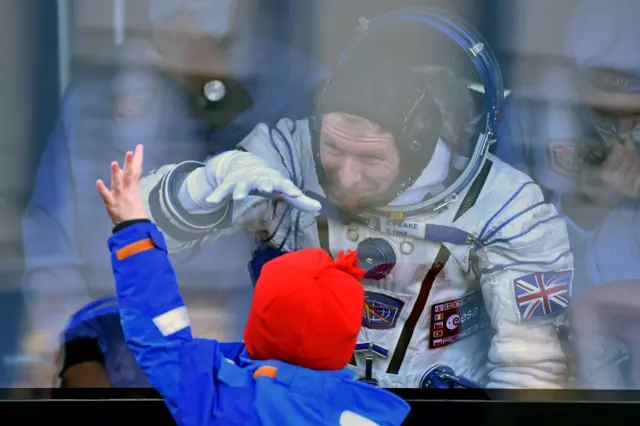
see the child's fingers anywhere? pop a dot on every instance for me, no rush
(129, 166)
(116, 177)
(138, 158)
(106, 195)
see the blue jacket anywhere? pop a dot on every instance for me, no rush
(65, 225)
(206, 382)
(97, 328)
(540, 139)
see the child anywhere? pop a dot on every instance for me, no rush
(299, 338)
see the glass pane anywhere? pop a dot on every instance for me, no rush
(480, 156)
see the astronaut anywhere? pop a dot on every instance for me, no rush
(575, 131)
(136, 93)
(468, 269)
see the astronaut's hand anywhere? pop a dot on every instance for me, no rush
(236, 175)
(617, 178)
(123, 202)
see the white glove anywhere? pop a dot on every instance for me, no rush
(238, 173)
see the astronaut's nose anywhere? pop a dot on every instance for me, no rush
(349, 174)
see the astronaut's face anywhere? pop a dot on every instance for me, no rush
(359, 158)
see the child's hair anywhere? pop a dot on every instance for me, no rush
(307, 310)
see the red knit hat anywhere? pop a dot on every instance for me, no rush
(307, 310)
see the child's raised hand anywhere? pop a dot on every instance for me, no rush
(123, 202)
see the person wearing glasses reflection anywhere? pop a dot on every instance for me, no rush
(581, 142)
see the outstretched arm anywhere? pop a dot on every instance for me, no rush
(193, 201)
(152, 313)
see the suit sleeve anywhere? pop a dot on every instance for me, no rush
(277, 146)
(526, 276)
(53, 281)
(156, 326)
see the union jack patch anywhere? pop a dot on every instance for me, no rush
(541, 295)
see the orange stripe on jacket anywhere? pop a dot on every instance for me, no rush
(265, 370)
(135, 248)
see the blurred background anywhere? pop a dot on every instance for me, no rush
(66, 106)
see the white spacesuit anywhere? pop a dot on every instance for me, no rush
(468, 268)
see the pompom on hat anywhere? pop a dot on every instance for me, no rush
(307, 310)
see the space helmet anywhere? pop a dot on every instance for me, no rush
(415, 72)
